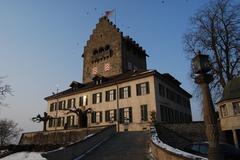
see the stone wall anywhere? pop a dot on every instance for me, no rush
(162, 154)
(164, 151)
(57, 137)
(78, 149)
(193, 131)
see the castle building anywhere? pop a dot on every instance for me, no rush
(229, 111)
(118, 88)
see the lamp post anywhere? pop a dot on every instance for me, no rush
(201, 67)
(56, 115)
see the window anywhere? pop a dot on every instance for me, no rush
(185, 102)
(96, 117)
(163, 115)
(171, 95)
(110, 115)
(63, 121)
(51, 107)
(71, 103)
(179, 99)
(50, 123)
(142, 88)
(110, 95)
(97, 98)
(59, 120)
(83, 101)
(98, 81)
(55, 106)
(70, 121)
(125, 115)
(224, 111)
(125, 92)
(236, 107)
(144, 113)
(161, 90)
(61, 105)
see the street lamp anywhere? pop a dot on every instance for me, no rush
(56, 109)
(201, 67)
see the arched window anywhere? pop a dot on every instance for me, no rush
(101, 49)
(95, 52)
(107, 47)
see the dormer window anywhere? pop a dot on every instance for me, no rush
(75, 85)
(99, 79)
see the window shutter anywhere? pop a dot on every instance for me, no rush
(106, 116)
(142, 112)
(73, 118)
(121, 93)
(100, 97)
(107, 96)
(81, 101)
(56, 107)
(93, 117)
(114, 94)
(145, 113)
(130, 114)
(100, 116)
(51, 107)
(138, 89)
(64, 104)
(63, 119)
(50, 123)
(94, 98)
(147, 85)
(59, 105)
(86, 100)
(121, 115)
(69, 103)
(129, 91)
(115, 114)
(74, 103)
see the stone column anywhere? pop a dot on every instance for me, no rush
(235, 138)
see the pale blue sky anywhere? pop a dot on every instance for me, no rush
(41, 43)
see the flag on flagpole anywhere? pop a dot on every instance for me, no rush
(109, 13)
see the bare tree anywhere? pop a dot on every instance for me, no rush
(4, 91)
(82, 115)
(44, 119)
(9, 131)
(215, 30)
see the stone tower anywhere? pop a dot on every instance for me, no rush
(108, 52)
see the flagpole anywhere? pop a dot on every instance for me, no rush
(115, 16)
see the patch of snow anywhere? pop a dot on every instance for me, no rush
(159, 143)
(88, 136)
(58, 149)
(24, 156)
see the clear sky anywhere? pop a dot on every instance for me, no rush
(41, 43)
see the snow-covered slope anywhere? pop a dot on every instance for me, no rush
(24, 156)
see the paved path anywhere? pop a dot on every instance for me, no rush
(123, 146)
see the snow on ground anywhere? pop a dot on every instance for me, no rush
(24, 156)
(159, 143)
